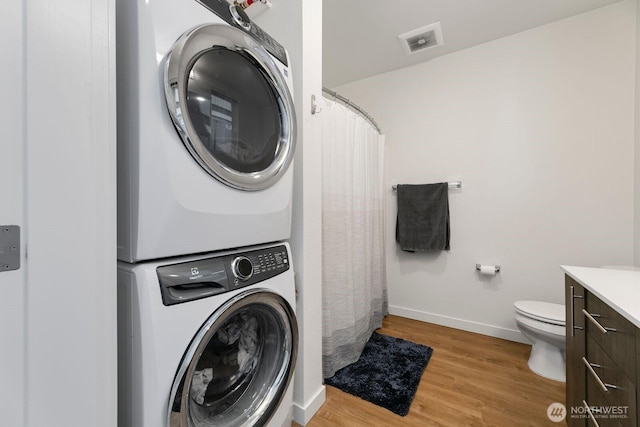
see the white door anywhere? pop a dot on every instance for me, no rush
(57, 178)
(12, 303)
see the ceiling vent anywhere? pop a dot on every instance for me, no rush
(422, 39)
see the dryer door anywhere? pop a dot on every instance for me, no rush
(238, 366)
(231, 106)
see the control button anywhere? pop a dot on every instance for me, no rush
(242, 268)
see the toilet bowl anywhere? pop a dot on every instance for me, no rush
(543, 324)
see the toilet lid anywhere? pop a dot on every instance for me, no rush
(543, 311)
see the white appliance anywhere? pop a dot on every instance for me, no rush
(206, 130)
(207, 340)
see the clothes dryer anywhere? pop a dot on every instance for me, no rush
(206, 130)
(207, 340)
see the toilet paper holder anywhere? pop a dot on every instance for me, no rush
(495, 267)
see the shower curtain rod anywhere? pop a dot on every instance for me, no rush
(353, 106)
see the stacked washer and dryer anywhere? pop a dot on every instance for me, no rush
(207, 331)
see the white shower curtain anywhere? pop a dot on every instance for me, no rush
(354, 293)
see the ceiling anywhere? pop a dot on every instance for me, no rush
(360, 37)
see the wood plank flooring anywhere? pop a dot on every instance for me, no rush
(471, 380)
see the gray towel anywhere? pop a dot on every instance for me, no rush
(423, 217)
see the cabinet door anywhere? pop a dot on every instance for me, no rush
(576, 371)
(637, 373)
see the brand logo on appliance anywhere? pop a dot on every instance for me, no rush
(195, 273)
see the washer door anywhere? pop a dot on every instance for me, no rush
(231, 106)
(238, 366)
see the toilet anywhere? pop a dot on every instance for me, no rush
(543, 324)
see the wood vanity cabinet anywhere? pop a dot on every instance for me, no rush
(603, 366)
(575, 349)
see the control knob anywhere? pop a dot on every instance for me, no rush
(240, 17)
(242, 268)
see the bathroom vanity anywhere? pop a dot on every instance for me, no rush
(603, 346)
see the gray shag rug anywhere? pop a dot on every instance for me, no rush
(386, 374)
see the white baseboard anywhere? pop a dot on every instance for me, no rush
(303, 414)
(465, 325)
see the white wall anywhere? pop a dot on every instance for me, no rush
(539, 127)
(298, 26)
(637, 145)
(71, 217)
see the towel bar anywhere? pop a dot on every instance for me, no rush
(453, 184)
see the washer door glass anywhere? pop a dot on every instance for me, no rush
(238, 366)
(238, 119)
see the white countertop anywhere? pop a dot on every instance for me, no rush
(618, 288)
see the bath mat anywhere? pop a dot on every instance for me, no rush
(386, 374)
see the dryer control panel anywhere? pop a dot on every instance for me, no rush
(202, 278)
(234, 15)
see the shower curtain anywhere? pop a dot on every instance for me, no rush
(354, 293)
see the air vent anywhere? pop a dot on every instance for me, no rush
(422, 39)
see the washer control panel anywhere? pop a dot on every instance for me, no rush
(201, 278)
(234, 15)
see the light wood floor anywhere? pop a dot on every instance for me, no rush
(471, 380)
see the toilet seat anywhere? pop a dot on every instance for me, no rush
(546, 312)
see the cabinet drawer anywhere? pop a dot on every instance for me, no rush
(619, 401)
(597, 405)
(619, 340)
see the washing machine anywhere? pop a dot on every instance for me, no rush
(208, 340)
(206, 130)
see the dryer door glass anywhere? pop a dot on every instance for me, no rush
(231, 106)
(238, 367)
(234, 110)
